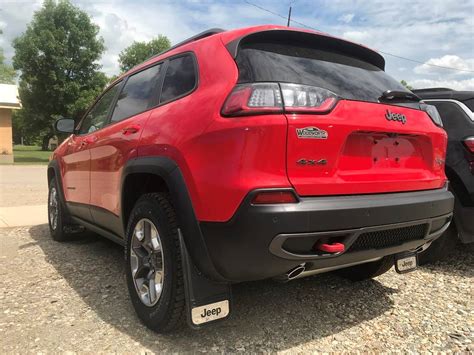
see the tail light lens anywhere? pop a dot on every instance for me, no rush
(432, 111)
(262, 98)
(274, 197)
(250, 99)
(469, 143)
(304, 98)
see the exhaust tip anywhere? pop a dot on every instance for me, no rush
(291, 274)
(296, 271)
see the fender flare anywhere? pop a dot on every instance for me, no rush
(169, 171)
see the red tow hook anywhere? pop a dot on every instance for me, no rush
(330, 248)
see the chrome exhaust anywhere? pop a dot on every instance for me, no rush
(292, 273)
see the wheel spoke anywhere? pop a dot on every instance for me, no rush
(146, 262)
(155, 243)
(152, 287)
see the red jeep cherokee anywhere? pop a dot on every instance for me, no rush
(264, 152)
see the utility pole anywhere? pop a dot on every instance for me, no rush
(289, 17)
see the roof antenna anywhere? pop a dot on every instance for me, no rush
(289, 17)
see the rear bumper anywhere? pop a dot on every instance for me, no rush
(267, 240)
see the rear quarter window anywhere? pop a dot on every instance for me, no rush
(180, 78)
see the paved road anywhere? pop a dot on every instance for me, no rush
(72, 297)
(22, 185)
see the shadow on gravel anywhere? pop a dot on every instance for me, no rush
(458, 261)
(267, 315)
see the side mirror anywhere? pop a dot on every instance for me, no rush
(65, 125)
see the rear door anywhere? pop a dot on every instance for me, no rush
(341, 138)
(117, 143)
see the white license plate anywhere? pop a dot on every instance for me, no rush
(210, 312)
(406, 263)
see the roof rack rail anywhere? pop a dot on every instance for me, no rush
(432, 89)
(194, 38)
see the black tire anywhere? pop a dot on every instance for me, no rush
(368, 270)
(58, 227)
(441, 247)
(168, 313)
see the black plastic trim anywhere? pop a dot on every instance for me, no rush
(103, 232)
(240, 248)
(169, 171)
(350, 235)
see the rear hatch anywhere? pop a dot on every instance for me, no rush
(343, 138)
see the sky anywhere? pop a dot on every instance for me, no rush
(435, 32)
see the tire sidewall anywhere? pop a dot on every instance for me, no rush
(158, 314)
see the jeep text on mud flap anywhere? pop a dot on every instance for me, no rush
(264, 152)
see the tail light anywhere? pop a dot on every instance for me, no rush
(274, 197)
(469, 143)
(432, 111)
(263, 98)
(304, 98)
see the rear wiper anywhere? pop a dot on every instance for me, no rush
(390, 95)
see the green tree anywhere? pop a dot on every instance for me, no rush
(138, 52)
(405, 84)
(57, 58)
(7, 73)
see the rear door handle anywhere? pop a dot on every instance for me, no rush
(130, 129)
(88, 140)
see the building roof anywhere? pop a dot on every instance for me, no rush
(9, 96)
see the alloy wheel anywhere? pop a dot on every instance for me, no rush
(147, 262)
(53, 208)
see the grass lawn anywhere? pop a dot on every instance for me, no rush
(23, 154)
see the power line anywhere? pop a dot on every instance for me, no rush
(386, 53)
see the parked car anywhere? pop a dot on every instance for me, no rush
(456, 110)
(263, 152)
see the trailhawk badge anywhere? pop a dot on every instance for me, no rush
(311, 133)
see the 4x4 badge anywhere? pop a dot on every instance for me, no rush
(311, 133)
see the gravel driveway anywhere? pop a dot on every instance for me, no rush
(73, 297)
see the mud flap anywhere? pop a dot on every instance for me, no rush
(206, 301)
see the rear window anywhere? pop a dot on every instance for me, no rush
(346, 76)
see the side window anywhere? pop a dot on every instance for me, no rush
(470, 103)
(180, 78)
(97, 117)
(453, 117)
(137, 94)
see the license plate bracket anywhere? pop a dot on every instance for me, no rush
(406, 262)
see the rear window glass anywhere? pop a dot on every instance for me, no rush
(348, 77)
(180, 78)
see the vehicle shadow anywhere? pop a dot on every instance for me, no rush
(267, 315)
(459, 261)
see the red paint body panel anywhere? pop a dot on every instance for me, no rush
(115, 145)
(75, 168)
(218, 156)
(363, 155)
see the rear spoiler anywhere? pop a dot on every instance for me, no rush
(319, 41)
